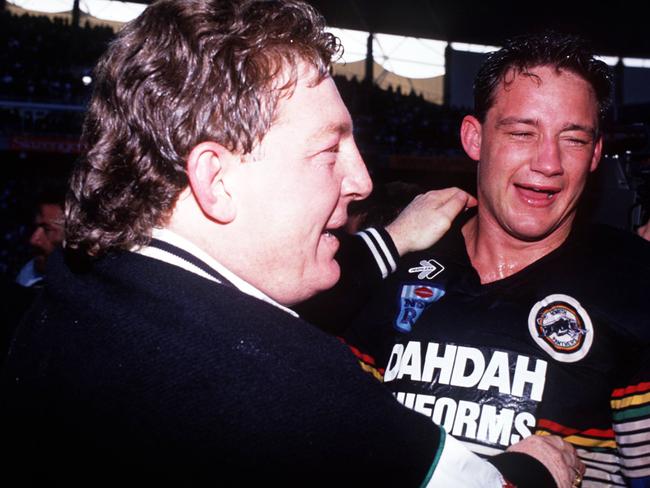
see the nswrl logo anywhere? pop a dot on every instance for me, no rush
(413, 300)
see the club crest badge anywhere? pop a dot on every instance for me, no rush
(428, 269)
(561, 327)
(414, 299)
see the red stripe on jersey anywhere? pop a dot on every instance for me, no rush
(629, 390)
(364, 357)
(603, 433)
(556, 428)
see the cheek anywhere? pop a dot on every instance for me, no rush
(576, 186)
(489, 178)
(323, 197)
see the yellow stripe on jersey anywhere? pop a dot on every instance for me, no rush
(631, 400)
(373, 371)
(579, 440)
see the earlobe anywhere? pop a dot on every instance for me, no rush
(207, 166)
(470, 136)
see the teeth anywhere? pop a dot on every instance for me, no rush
(549, 194)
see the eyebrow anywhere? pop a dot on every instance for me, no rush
(516, 120)
(568, 127)
(583, 128)
(334, 128)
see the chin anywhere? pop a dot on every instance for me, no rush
(320, 280)
(330, 276)
(532, 233)
(326, 277)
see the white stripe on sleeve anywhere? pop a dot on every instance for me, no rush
(375, 253)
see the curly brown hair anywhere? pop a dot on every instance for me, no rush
(183, 72)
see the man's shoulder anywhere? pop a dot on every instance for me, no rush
(131, 280)
(125, 305)
(613, 247)
(607, 235)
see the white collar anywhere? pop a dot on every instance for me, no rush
(174, 239)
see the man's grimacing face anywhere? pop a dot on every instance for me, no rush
(538, 144)
(298, 185)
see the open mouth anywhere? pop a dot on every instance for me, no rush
(334, 232)
(537, 193)
(331, 239)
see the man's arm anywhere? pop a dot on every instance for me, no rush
(372, 254)
(558, 457)
(536, 462)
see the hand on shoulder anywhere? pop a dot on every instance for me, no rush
(427, 218)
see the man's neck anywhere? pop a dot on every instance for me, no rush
(495, 254)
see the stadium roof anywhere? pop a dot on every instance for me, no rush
(616, 29)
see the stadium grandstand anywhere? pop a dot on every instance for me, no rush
(406, 75)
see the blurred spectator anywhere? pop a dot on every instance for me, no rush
(46, 237)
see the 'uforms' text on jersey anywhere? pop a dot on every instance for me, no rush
(482, 395)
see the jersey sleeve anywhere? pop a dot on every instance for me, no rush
(630, 400)
(381, 248)
(631, 422)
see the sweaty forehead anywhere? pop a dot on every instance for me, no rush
(544, 77)
(545, 90)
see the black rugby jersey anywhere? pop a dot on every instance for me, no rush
(561, 347)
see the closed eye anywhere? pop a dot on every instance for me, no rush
(521, 134)
(328, 156)
(575, 141)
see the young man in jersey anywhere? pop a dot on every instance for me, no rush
(520, 321)
(219, 159)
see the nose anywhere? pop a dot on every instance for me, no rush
(356, 183)
(36, 239)
(547, 160)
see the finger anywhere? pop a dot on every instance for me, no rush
(432, 199)
(455, 204)
(471, 201)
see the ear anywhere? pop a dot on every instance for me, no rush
(470, 136)
(595, 159)
(207, 166)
